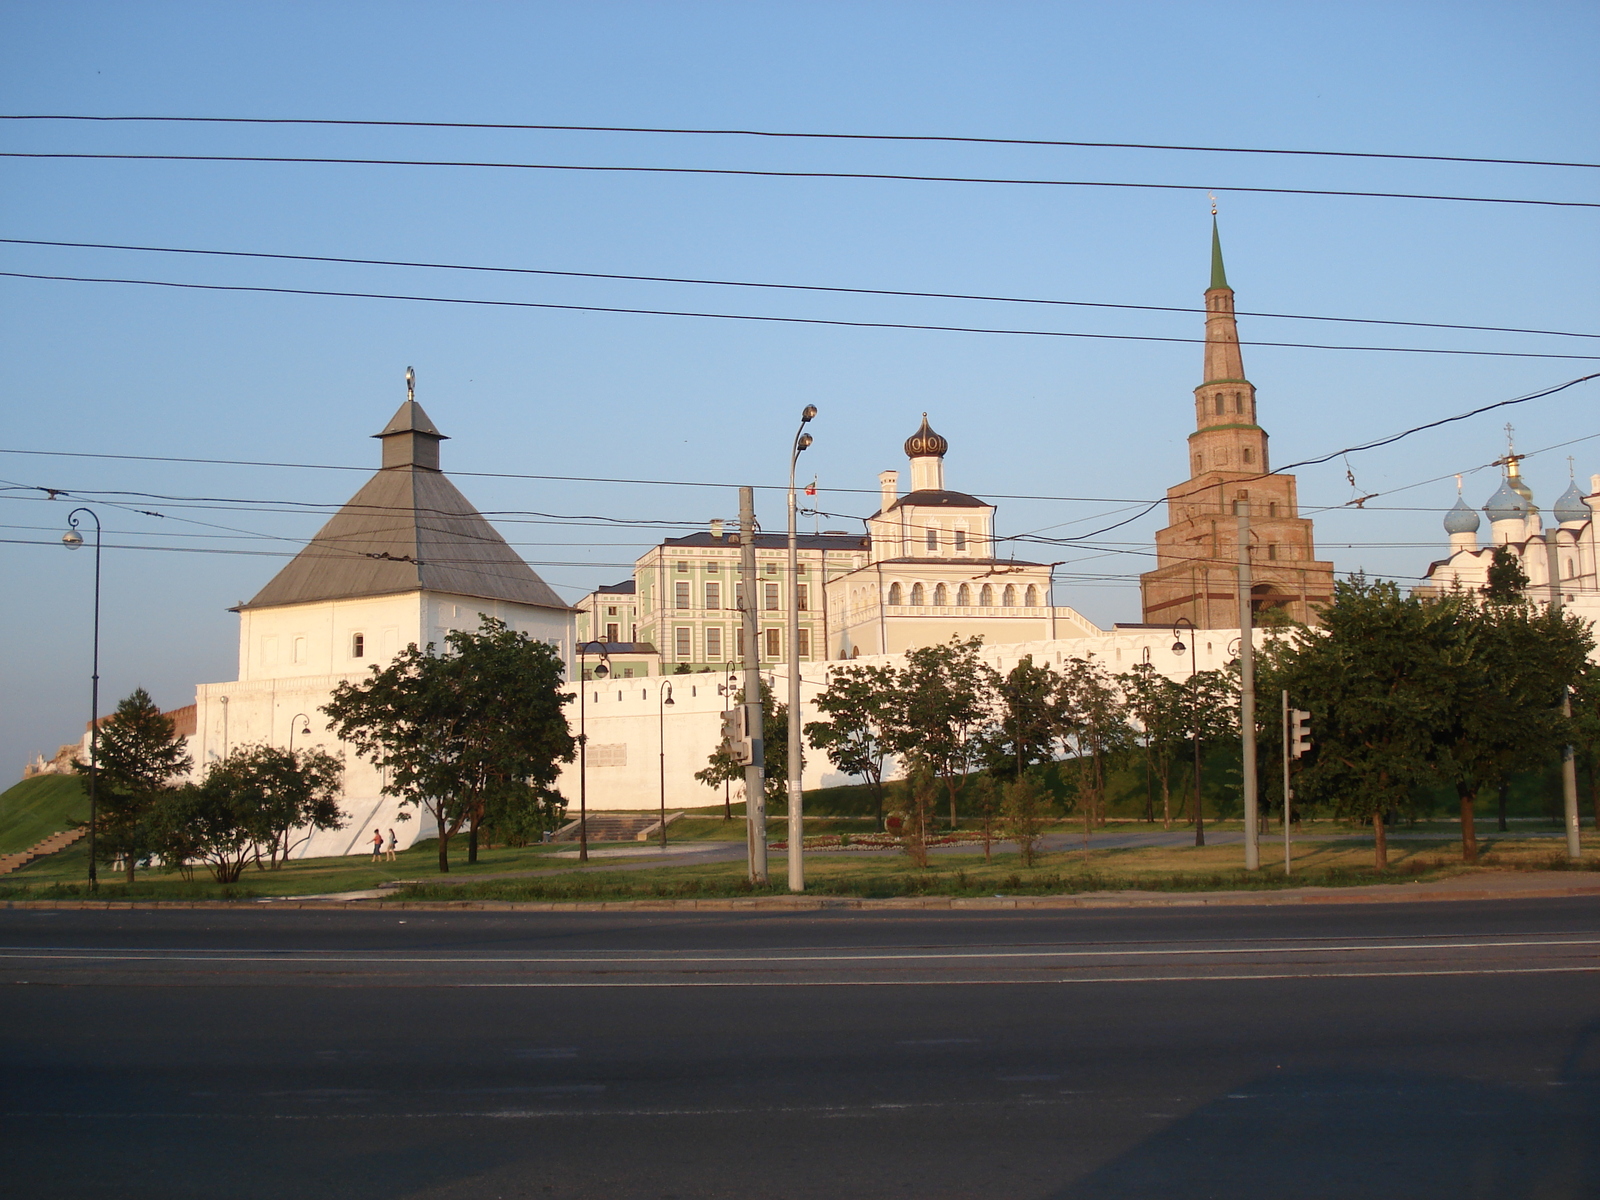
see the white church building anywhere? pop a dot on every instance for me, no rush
(1559, 560)
(406, 560)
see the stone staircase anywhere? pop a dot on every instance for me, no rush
(56, 841)
(613, 827)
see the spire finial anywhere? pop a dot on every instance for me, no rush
(1219, 277)
(1212, 196)
(411, 385)
(1458, 487)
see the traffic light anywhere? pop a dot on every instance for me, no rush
(1299, 732)
(736, 734)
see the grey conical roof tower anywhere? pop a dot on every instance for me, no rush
(408, 529)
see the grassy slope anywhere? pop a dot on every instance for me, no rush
(32, 810)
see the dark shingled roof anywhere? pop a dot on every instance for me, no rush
(408, 529)
(931, 499)
(775, 541)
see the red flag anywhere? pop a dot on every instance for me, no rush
(811, 488)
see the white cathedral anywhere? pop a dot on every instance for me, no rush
(1558, 562)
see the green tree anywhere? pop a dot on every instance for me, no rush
(1026, 810)
(854, 734)
(1092, 721)
(1586, 733)
(452, 731)
(1156, 704)
(139, 756)
(519, 814)
(1371, 679)
(251, 802)
(940, 716)
(1506, 672)
(721, 768)
(1507, 582)
(917, 792)
(1025, 726)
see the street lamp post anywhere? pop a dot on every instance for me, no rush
(665, 697)
(601, 670)
(72, 539)
(1194, 699)
(797, 832)
(298, 719)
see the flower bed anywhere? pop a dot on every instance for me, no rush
(878, 841)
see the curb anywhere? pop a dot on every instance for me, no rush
(1099, 900)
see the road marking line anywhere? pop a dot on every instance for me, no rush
(625, 960)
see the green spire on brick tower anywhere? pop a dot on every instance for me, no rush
(1219, 277)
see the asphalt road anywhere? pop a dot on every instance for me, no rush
(1409, 1050)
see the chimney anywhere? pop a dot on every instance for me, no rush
(889, 481)
(716, 529)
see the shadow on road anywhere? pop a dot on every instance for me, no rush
(1331, 1135)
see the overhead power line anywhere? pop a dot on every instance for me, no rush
(1199, 188)
(788, 287)
(673, 312)
(772, 133)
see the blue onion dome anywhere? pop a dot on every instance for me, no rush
(1461, 519)
(1506, 504)
(1571, 506)
(925, 443)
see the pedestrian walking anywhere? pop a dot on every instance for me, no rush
(393, 842)
(377, 845)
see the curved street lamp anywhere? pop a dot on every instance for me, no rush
(298, 719)
(797, 832)
(601, 670)
(72, 539)
(1178, 648)
(665, 696)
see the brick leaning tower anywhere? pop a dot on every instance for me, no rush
(1197, 553)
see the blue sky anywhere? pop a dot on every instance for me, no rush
(115, 369)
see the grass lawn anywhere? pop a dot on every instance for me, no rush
(1343, 861)
(32, 810)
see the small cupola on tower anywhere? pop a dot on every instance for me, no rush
(926, 450)
(1570, 510)
(410, 438)
(1462, 524)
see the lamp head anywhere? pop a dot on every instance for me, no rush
(72, 539)
(808, 413)
(601, 670)
(805, 440)
(668, 701)
(306, 732)
(1178, 647)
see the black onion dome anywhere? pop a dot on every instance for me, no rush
(925, 443)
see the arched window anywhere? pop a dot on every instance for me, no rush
(941, 597)
(1216, 404)
(916, 594)
(1249, 455)
(1030, 598)
(964, 596)
(894, 593)
(1008, 598)
(1238, 402)
(986, 597)
(1199, 463)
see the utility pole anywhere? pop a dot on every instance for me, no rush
(755, 788)
(797, 820)
(1286, 791)
(1569, 766)
(1247, 692)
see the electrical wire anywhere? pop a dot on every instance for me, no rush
(282, 159)
(788, 287)
(769, 133)
(665, 312)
